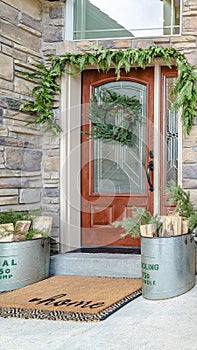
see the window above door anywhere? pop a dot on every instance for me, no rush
(97, 19)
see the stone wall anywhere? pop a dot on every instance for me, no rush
(29, 157)
(20, 145)
(53, 34)
(190, 142)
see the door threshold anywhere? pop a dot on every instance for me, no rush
(109, 250)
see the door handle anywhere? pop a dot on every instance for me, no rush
(149, 169)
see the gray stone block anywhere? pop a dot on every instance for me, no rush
(30, 22)
(52, 34)
(190, 171)
(56, 13)
(30, 195)
(26, 160)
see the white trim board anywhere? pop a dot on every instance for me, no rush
(70, 164)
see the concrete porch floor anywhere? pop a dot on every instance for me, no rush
(140, 325)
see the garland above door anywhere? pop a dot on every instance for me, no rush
(46, 76)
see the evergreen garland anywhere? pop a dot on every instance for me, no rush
(103, 58)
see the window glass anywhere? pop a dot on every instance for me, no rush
(171, 132)
(118, 168)
(128, 18)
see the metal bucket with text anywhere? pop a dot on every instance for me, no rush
(168, 266)
(23, 263)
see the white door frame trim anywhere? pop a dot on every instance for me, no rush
(70, 158)
(70, 164)
(157, 137)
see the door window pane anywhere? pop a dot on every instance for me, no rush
(130, 18)
(118, 168)
(171, 133)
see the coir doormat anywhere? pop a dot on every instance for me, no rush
(75, 298)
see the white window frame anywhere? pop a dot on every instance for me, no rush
(69, 21)
(172, 27)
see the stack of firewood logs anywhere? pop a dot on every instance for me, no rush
(172, 225)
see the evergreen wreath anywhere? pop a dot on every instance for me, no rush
(105, 108)
(46, 76)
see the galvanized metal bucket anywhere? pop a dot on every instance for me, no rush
(168, 266)
(23, 263)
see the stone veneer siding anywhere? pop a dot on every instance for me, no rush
(29, 160)
(29, 157)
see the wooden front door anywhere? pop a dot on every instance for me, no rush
(115, 177)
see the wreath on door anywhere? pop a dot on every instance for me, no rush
(114, 117)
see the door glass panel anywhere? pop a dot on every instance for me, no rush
(171, 133)
(120, 168)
